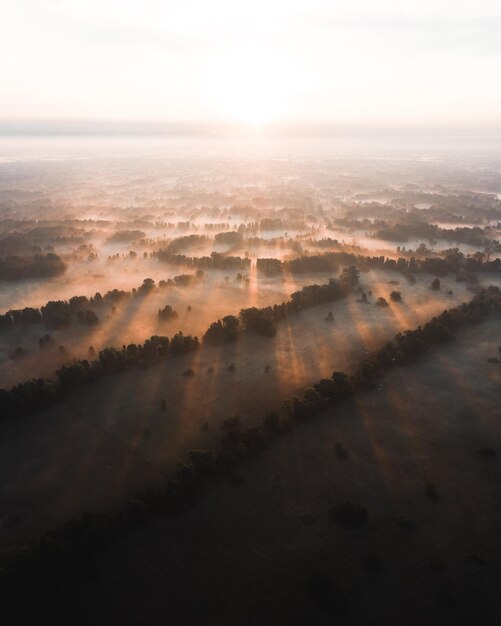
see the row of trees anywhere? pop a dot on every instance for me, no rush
(404, 349)
(38, 394)
(454, 262)
(417, 228)
(263, 321)
(60, 313)
(51, 567)
(215, 261)
(14, 268)
(230, 237)
(474, 236)
(180, 243)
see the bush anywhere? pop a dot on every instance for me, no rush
(405, 523)
(489, 453)
(350, 515)
(341, 451)
(396, 296)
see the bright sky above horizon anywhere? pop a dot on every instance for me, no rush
(368, 62)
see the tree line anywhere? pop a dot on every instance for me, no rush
(453, 263)
(402, 232)
(38, 394)
(215, 261)
(263, 320)
(51, 567)
(14, 268)
(60, 313)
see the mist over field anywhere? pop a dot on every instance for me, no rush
(250, 313)
(172, 303)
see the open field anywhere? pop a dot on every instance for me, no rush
(250, 313)
(285, 267)
(113, 436)
(243, 555)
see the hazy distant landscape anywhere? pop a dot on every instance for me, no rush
(170, 326)
(250, 313)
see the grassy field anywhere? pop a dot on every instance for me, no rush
(108, 439)
(425, 556)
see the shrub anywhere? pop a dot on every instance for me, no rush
(396, 296)
(405, 523)
(489, 453)
(341, 451)
(350, 515)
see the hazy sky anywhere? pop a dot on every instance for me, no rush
(309, 61)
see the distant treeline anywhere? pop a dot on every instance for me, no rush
(272, 223)
(38, 394)
(275, 242)
(27, 240)
(325, 242)
(59, 313)
(215, 261)
(13, 268)
(217, 226)
(402, 232)
(474, 236)
(125, 236)
(329, 261)
(231, 237)
(263, 320)
(404, 349)
(17, 244)
(49, 569)
(176, 245)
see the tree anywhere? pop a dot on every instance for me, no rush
(271, 423)
(87, 317)
(167, 313)
(147, 286)
(349, 276)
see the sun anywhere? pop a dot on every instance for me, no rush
(252, 107)
(247, 88)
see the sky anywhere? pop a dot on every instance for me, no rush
(260, 62)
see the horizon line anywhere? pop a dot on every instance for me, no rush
(94, 127)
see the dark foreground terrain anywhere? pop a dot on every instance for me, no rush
(250, 391)
(265, 549)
